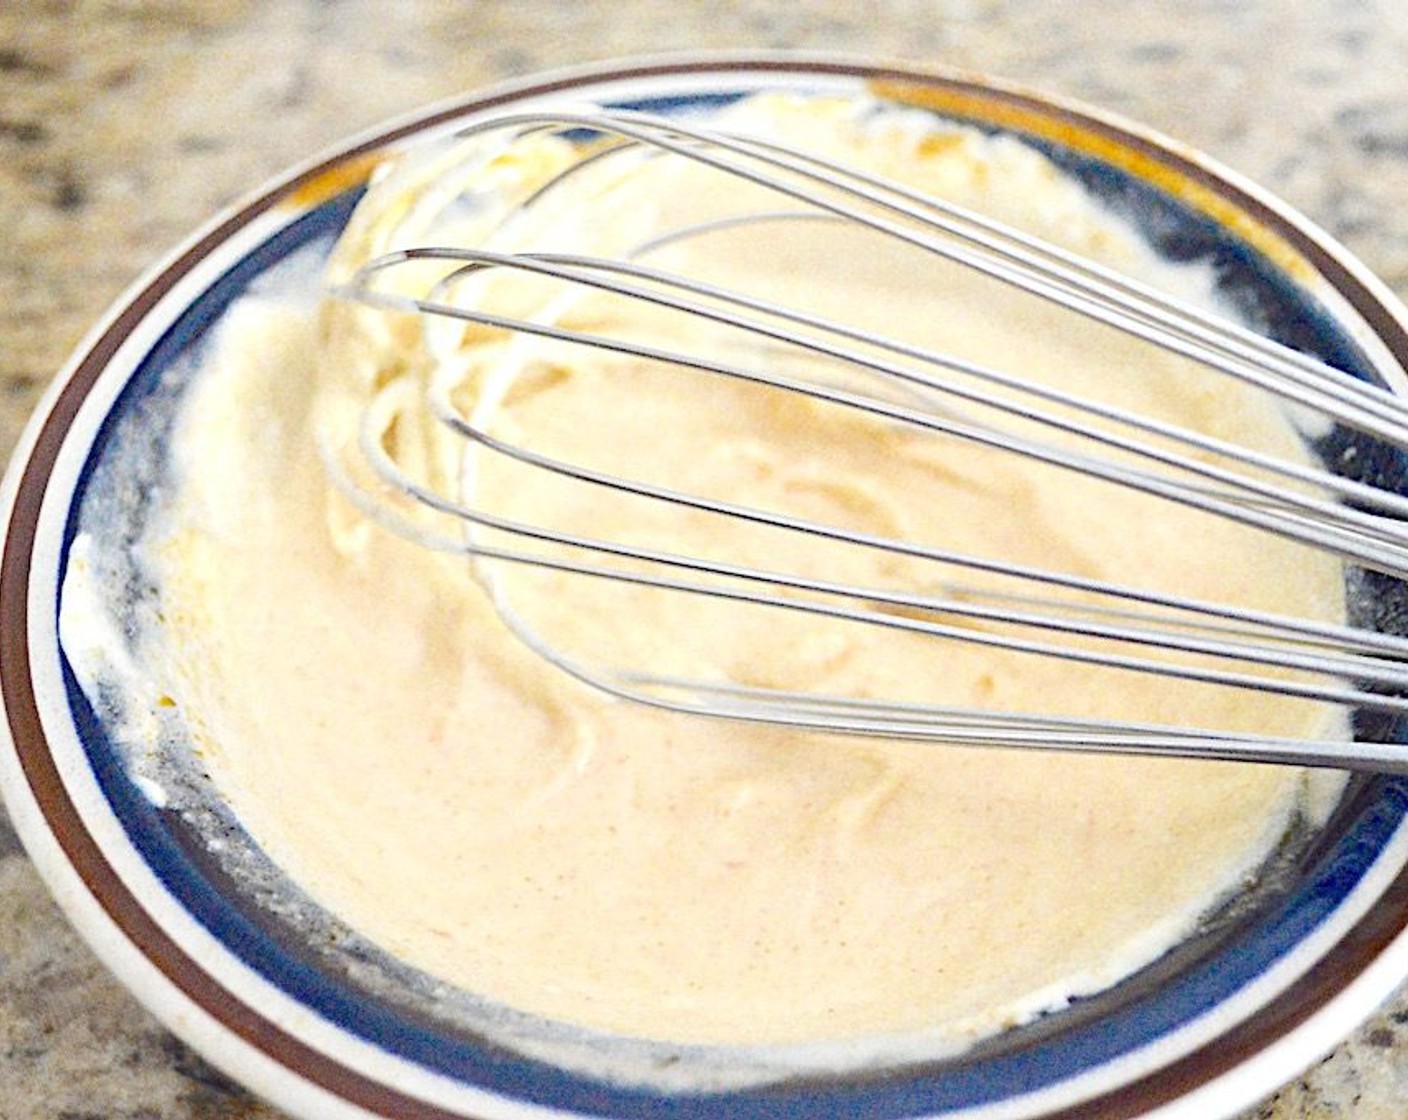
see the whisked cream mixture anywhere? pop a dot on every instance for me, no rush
(433, 782)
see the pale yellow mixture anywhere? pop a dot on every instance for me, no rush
(434, 783)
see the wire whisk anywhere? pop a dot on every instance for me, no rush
(621, 295)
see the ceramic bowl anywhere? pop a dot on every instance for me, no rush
(237, 962)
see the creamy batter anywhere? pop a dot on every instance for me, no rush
(490, 820)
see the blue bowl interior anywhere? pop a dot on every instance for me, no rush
(328, 967)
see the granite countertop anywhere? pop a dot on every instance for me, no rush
(123, 125)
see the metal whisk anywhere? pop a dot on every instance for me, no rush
(898, 383)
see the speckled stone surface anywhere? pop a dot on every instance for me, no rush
(124, 124)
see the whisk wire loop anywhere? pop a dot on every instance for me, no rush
(1362, 536)
(1002, 252)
